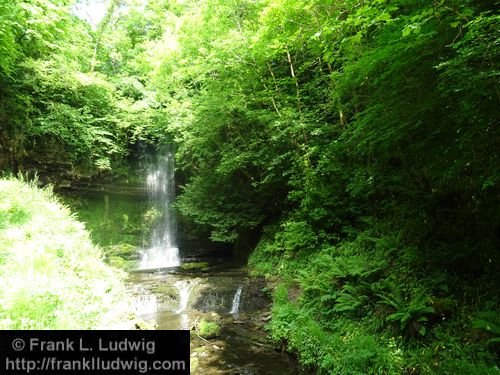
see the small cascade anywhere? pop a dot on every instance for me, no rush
(160, 183)
(235, 308)
(184, 287)
(145, 304)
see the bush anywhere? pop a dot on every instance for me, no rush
(344, 349)
(360, 308)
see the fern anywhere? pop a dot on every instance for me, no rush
(349, 301)
(411, 313)
(489, 322)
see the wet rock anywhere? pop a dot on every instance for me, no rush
(228, 320)
(240, 348)
(123, 250)
(214, 317)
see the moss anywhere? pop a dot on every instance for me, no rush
(122, 250)
(166, 290)
(208, 329)
(122, 256)
(202, 266)
(121, 263)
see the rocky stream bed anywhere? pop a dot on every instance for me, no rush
(179, 299)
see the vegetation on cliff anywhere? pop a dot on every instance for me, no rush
(71, 106)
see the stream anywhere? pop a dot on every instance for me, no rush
(172, 299)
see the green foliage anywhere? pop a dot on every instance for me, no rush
(344, 345)
(208, 329)
(385, 320)
(343, 349)
(411, 313)
(489, 322)
(73, 111)
(13, 213)
(359, 138)
(60, 105)
(52, 276)
(116, 222)
(295, 236)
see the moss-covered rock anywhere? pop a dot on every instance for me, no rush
(122, 256)
(166, 291)
(123, 250)
(208, 329)
(202, 266)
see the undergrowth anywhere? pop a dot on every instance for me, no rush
(52, 276)
(359, 307)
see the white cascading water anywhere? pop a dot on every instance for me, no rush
(145, 304)
(162, 251)
(235, 308)
(184, 287)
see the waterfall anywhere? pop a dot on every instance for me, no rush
(184, 287)
(160, 183)
(236, 301)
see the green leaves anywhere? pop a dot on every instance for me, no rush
(361, 137)
(54, 109)
(72, 112)
(488, 322)
(411, 312)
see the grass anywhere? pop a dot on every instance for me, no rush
(52, 276)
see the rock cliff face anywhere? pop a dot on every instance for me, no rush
(54, 162)
(47, 164)
(47, 161)
(9, 153)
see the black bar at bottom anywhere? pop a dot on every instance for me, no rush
(94, 352)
